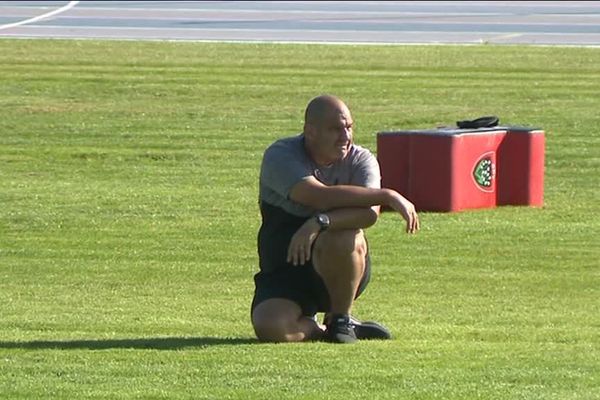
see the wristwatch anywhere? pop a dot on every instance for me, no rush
(323, 221)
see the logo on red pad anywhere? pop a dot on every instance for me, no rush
(484, 172)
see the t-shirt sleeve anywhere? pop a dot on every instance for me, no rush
(366, 171)
(281, 169)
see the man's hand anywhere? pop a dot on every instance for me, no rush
(301, 244)
(407, 209)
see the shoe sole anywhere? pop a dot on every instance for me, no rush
(371, 331)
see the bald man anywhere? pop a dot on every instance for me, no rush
(318, 193)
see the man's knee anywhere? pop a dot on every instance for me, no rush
(346, 241)
(271, 329)
(279, 320)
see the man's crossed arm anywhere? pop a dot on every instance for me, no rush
(348, 207)
(313, 193)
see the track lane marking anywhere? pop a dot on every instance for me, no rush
(64, 8)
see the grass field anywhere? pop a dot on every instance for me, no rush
(128, 218)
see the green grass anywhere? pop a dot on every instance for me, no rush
(128, 218)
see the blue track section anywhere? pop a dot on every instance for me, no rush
(518, 22)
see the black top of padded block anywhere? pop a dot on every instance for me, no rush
(451, 131)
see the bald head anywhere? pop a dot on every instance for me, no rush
(327, 129)
(319, 107)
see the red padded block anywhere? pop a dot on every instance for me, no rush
(456, 169)
(521, 168)
(393, 152)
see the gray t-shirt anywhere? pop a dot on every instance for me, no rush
(286, 163)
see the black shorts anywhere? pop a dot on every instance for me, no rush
(278, 278)
(300, 284)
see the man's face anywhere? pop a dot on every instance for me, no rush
(333, 135)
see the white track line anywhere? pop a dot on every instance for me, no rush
(70, 5)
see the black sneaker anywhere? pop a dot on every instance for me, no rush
(340, 329)
(370, 330)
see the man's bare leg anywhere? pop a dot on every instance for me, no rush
(339, 258)
(281, 320)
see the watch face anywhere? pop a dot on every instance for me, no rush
(323, 221)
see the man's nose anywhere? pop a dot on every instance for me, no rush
(347, 133)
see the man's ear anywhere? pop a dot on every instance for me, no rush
(309, 130)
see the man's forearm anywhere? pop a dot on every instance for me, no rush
(313, 193)
(352, 218)
(346, 196)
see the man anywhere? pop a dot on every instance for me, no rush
(318, 192)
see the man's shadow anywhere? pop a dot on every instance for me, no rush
(156, 343)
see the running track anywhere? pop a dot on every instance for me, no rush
(527, 22)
